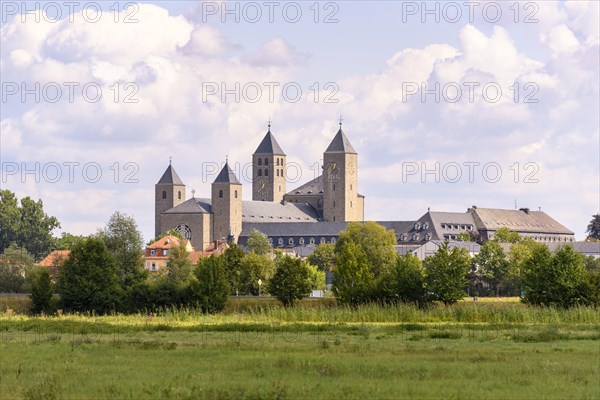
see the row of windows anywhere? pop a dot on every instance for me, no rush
(403, 237)
(164, 195)
(300, 241)
(278, 161)
(457, 226)
(419, 226)
(165, 252)
(235, 194)
(278, 171)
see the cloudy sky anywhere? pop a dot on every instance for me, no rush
(491, 104)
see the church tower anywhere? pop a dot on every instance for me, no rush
(227, 205)
(168, 193)
(340, 196)
(268, 170)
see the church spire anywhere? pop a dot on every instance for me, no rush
(340, 143)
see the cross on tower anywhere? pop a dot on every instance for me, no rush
(193, 193)
(269, 123)
(170, 159)
(341, 121)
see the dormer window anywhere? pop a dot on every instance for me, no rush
(152, 252)
(165, 252)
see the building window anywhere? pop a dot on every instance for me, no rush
(277, 171)
(220, 194)
(152, 252)
(350, 203)
(312, 241)
(278, 162)
(164, 194)
(266, 161)
(282, 172)
(259, 172)
(334, 187)
(334, 219)
(260, 161)
(153, 266)
(332, 240)
(235, 194)
(266, 172)
(280, 190)
(334, 203)
(291, 241)
(323, 240)
(165, 252)
(350, 186)
(271, 241)
(301, 240)
(280, 241)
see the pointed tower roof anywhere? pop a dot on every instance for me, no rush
(170, 177)
(269, 145)
(340, 144)
(226, 175)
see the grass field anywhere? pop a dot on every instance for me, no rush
(258, 350)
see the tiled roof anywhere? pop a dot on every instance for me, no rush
(56, 256)
(170, 177)
(340, 144)
(270, 212)
(192, 206)
(227, 175)
(166, 242)
(517, 220)
(269, 146)
(314, 187)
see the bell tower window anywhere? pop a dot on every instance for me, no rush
(259, 172)
(266, 172)
(266, 161)
(260, 161)
(220, 194)
(164, 195)
(178, 195)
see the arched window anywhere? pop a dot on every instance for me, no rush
(278, 162)
(266, 161)
(282, 172)
(266, 172)
(178, 195)
(235, 193)
(220, 194)
(312, 241)
(260, 161)
(301, 240)
(259, 172)
(164, 196)
(277, 171)
(322, 240)
(291, 241)
(280, 241)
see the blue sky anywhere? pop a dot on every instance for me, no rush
(378, 55)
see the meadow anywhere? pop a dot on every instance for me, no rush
(256, 349)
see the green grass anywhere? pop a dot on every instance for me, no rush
(259, 350)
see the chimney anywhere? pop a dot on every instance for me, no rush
(525, 210)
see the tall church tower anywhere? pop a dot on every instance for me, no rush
(168, 193)
(340, 181)
(227, 205)
(268, 170)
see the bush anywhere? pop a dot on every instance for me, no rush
(211, 290)
(88, 279)
(41, 290)
(291, 282)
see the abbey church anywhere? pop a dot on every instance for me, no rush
(318, 210)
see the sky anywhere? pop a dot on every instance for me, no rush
(449, 104)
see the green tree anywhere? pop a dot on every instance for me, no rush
(291, 280)
(317, 277)
(593, 229)
(67, 241)
(26, 225)
(124, 241)
(376, 242)
(232, 258)
(590, 287)
(210, 291)
(323, 257)
(491, 265)
(254, 267)
(553, 280)
(41, 290)
(14, 264)
(446, 273)
(354, 279)
(464, 236)
(179, 266)
(407, 281)
(88, 280)
(505, 235)
(258, 242)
